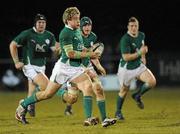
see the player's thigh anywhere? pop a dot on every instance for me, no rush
(41, 80)
(133, 84)
(91, 73)
(80, 79)
(125, 76)
(97, 86)
(123, 90)
(148, 77)
(52, 88)
(83, 83)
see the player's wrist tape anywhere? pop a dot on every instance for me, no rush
(15, 60)
(139, 53)
(88, 54)
(77, 55)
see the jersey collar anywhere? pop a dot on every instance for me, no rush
(69, 27)
(131, 34)
(36, 30)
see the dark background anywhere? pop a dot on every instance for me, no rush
(159, 20)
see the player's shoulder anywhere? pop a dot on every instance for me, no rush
(66, 31)
(141, 33)
(125, 36)
(24, 34)
(49, 32)
(27, 31)
(93, 34)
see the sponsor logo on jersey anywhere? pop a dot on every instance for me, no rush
(40, 48)
(80, 46)
(91, 43)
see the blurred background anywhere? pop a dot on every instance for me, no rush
(159, 20)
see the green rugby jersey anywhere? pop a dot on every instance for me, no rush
(88, 41)
(69, 36)
(129, 44)
(35, 45)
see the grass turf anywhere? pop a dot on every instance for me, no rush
(160, 116)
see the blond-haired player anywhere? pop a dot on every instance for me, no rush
(68, 67)
(89, 39)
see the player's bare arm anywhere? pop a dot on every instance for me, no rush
(143, 57)
(98, 66)
(78, 55)
(14, 53)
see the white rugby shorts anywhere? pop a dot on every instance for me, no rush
(30, 71)
(125, 76)
(63, 72)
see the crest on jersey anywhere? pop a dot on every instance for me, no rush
(47, 41)
(91, 43)
(80, 46)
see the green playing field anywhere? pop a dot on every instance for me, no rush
(160, 116)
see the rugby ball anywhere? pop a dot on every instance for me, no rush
(98, 47)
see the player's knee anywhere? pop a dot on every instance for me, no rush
(43, 86)
(98, 89)
(152, 83)
(48, 95)
(123, 91)
(100, 94)
(43, 95)
(88, 87)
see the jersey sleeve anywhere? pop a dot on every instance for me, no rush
(94, 37)
(21, 39)
(66, 38)
(53, 41)
(124, 46)
(143, 38)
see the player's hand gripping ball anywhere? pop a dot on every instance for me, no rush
(98, 47)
